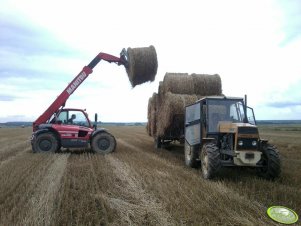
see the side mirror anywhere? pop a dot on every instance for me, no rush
(95, 121)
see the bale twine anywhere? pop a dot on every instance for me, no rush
(143, 65)
(195, 84)
(172, 111)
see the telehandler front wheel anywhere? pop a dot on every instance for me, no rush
(191, 155)
(46, 142)
(103, 143)
(210, 160)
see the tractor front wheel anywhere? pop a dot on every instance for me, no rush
(103, 143)
(46, 142)
(191, 155)
(271, 163)
(210, 160)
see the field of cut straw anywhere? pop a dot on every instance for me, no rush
(138, 185)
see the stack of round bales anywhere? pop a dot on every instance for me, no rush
(175, 92)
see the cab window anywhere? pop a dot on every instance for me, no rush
(73, 118)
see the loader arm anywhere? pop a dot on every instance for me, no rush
(75, 83)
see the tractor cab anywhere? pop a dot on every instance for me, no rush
(213, 115)
(230, 110)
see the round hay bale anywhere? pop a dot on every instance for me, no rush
(172, 111)
(195, 84)
(179, 83)
(153, 115)
(143, 65)
(151, 111)
(160, 96)
(207, 85)
(160, 88)
(148, 125)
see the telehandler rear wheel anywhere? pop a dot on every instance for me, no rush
(191, 155)
(210, 160)
(46, 142)
(271, 163)
(103, 143)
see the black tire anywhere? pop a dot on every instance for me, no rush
(158, 143)
(191, 155)
(210, 160)
(46, 142)
(103, 143)
(271, 163)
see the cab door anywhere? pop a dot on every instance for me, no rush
(193, 124)
(74, 128)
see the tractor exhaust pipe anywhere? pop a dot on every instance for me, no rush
(245, 120)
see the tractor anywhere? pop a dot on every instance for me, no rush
(221, 132)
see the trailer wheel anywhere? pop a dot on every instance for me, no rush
(210, 160)
(191, 155)
(103, 143)
(158, 143)
(271, 163)
(46, 142)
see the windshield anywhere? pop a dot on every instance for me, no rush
(223, 110)
(73, 118)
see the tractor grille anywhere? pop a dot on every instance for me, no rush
(247, 144)
(247, 130)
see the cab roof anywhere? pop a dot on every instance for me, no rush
(219, 98)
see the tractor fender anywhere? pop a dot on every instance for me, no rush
(95, 132)
(262, 143)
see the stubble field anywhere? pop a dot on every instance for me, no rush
(138, 185)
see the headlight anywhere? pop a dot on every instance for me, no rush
(254, 142)
(240, 143)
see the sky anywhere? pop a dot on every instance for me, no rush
(254, 45)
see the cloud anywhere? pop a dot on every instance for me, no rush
(30, 51)
(284, 104)
(7, 97)
(291, 20)
(16, 118)
(26, 38)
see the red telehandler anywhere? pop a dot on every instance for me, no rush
(71, 128)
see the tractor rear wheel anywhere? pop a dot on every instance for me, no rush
(191, 155)
(103, 143)
(271, 163)
(210, 160)
(46, 142)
